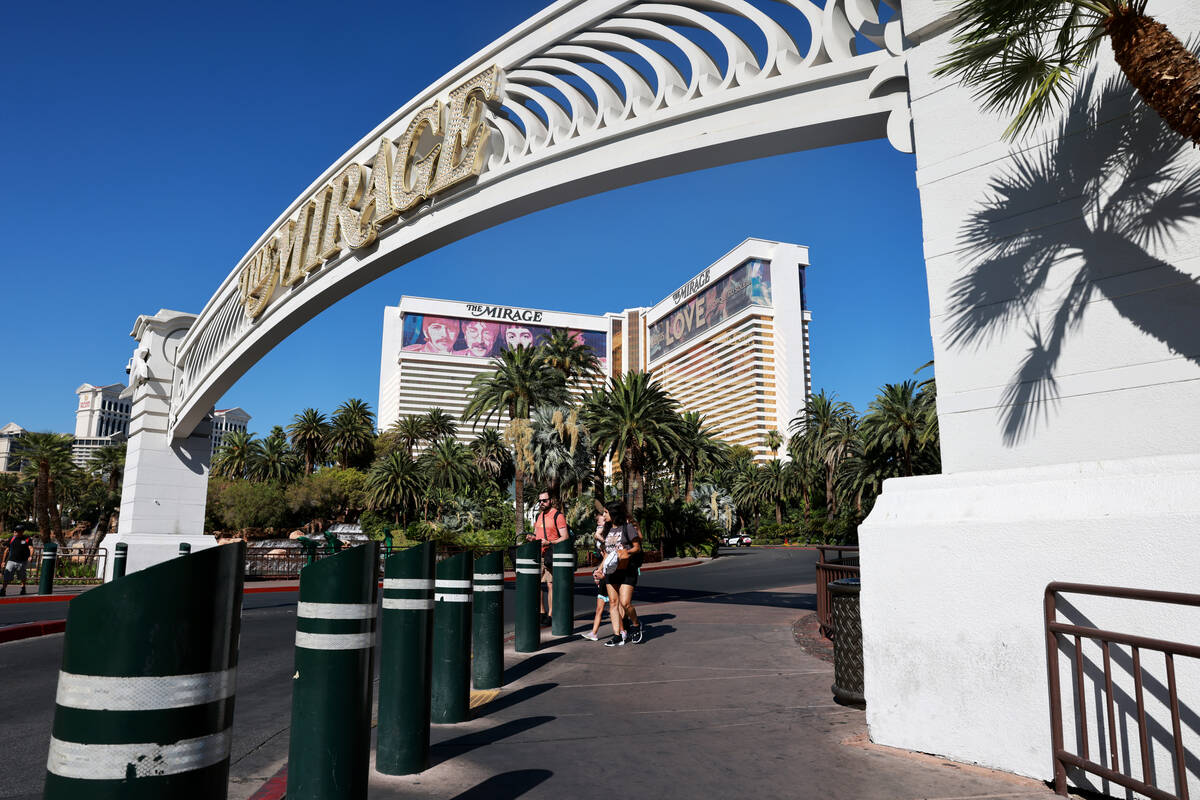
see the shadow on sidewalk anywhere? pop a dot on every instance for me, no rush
(795, 600)
(528, 665)
(512, 698)
(506, 786)
(452, 748)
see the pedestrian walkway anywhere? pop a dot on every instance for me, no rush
(719, 701)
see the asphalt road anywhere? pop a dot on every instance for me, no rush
(29, 668)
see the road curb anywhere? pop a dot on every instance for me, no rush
(275, 788)
(28, 630)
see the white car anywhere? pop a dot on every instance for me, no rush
(738, 540)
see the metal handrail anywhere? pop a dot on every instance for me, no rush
(1053, 629)
(827, 572)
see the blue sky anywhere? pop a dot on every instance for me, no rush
(146, 146)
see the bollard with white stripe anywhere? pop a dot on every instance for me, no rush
(46, 571)
(185, 549)
(119, 559)
(402, 747)
(487, 622)
(450, 689)
(145, 695)
(529, 586)
(562, 572)
(329, 748)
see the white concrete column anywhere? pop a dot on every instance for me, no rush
(1063, 301)
(166, 483)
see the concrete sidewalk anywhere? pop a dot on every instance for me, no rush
(718, 701)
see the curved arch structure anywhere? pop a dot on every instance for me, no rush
(588, 95)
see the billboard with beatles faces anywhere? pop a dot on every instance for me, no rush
(480, 338)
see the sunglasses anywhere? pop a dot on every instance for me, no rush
(543, 499)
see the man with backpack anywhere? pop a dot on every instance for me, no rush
(16, 557)
(549, 527)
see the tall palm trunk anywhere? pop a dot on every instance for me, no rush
(830, 496)
(598, 475)
(41, 500)
(52, 509)
(689, 479)
(1165, 74)
(518, 491)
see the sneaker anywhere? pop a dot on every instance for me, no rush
(591, 637)
(545, 620)
(635, 635)
(615, 641)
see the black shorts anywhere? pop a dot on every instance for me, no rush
(622, 577)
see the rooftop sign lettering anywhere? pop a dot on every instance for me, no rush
(349, 211)
(504, 312)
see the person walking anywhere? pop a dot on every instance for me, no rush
(549, 527)
(598, 576)
(16, 557)
(622, 539)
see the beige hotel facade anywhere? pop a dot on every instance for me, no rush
(732, 342)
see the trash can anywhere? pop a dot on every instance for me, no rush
(847, 642)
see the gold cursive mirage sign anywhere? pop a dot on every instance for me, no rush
(348, 211)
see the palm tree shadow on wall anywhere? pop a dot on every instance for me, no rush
(1093, 206)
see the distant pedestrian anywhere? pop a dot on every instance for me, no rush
(17, 551)
(622, 539)
(549, 527)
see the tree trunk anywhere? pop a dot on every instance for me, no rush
(41, 501)
(598, 475)
(518, 492)
(778, 513)
(1165, 74)
(55, 517)
(689, 476)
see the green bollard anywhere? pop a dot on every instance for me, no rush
(329, 751)
(46, 569)
(450, 688)
(562, 572)
(487, 622)
(405, 662)
(529, 585)
(145, 698)
(185, 549)
(119, 559)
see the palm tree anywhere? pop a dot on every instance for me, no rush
(696, 446)
(273, 460)
(309, 432)
(638, 425)
(410, 430)
(13, 499)
(576, 360)
(394, 482)
(1025, 56)
(895, 420)
(492, 457)
(437, 424)
(448, 465)
(519, 383)
(821, 413)
(352, 434)
(48, 455)
(236, 456)
(560, 449)
(773, 440)
(108, 464)
(774, 482)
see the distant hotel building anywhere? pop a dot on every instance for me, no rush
(731, 343)
(226, 421)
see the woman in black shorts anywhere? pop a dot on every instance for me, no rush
(621, 535)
